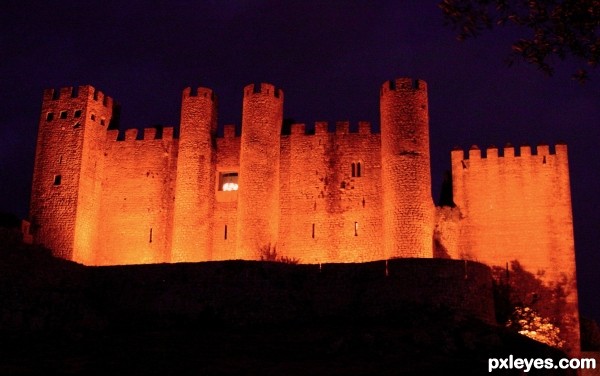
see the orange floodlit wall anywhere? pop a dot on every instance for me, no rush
(326, 193)
(517, 206)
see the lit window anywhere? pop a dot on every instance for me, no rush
(228, 181)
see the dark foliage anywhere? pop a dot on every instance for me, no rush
(555, 28)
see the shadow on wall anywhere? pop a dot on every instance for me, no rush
(525, 304)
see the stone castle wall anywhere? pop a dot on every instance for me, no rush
(325, 196)
(517, 207)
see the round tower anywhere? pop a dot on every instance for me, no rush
(258, 193)
(195, 185)
(406, 173)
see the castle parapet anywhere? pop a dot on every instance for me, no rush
(131, 134)
(77, 92)
(508, 151)
(342, 127)
(112, 135)
(321, 127)
(474, 152)
(229, 131)
(263, 88)
(403, 84)
(298, 128)
(364, 127)
(201, 92)
(149, 133)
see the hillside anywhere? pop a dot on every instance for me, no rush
(242, 317)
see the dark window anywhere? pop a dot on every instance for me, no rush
(353, 170)
(225, 232)
(77, 113)
(50, 116)
(358, 169)
(150, 235)
(77, 125)
(355, 228)
(63, 114)
(93, 117)
(313, 231)
(101, 121)
(57, 179)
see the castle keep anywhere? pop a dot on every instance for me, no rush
(104, 198)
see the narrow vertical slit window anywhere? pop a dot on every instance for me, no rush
(358, 169)
(225, 233)
(313, 231)
(150, 235)
(353, 170)
(355, 228)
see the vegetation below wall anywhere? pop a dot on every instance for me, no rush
(252, 318)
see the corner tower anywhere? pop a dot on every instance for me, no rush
(258, 195)
(406, 173)
(195, 185)
(67, 174)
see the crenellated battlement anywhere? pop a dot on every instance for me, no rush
(229, 131)
(298, 128)
(264, 89)
(509, 151)
(345, 192)
(200, 92)
(131, 134)
(403, 84)
(71, 92)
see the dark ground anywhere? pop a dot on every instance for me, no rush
(57, 318)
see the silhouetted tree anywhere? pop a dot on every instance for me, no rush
(557, 28)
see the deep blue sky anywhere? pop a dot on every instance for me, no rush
(329, 57)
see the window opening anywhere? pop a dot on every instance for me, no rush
(63, 114)
(353, 169)
(150, 235)
(228, 181)
(50, 116)
(225, 235)
(313, 230)
(355, 228)
(358, 169)
(77, 114)
(57, 179)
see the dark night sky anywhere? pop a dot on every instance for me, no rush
(329, 57)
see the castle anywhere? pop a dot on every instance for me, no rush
(101, 197)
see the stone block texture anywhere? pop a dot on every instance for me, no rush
(328, 193)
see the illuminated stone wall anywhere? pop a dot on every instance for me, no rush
(136, 210)
(194, 203)
(334, 193)
(408, 214)
(67, 172)
(518, 207)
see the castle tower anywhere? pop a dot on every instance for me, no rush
(406, 174)
(258, 195)
(68, 166)
(195, 186)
